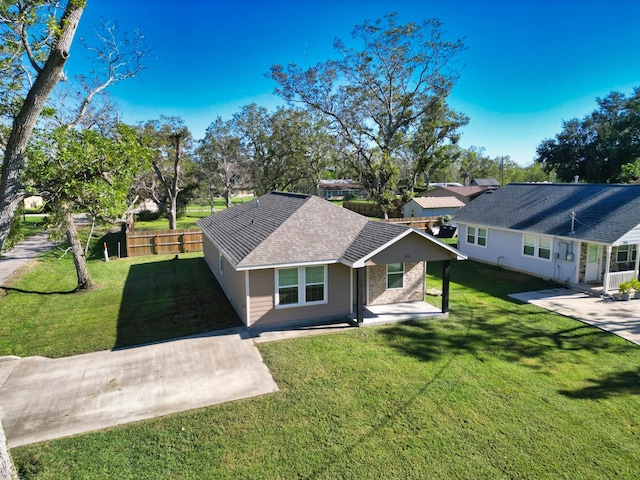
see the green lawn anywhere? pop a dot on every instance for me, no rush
(194, 212)
(138, 300)
(32, 224)
(499, 390)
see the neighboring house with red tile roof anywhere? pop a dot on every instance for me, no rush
(288, 258)
(431, 206)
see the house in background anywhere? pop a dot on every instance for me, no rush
(431, 207)
(484, 182)
(287, 258)
(464, 194)
(572, 233)
(339, 189)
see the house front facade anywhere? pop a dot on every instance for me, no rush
(574, 234)
(287, 259)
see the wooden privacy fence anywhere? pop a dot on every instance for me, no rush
(369, 209)
(156, 242)
(421, 223)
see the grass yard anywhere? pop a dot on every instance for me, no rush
(32, 224)
(499, 390)
(194, 213)
(139, 300)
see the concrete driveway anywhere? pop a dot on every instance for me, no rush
(42, 399)
(23, 253)
(619, 318)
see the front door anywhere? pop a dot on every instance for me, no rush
(593, 268)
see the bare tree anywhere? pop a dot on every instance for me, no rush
(171, 141)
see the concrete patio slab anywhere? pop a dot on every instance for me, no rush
(617, 317)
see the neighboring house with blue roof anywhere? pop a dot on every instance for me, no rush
(571, 233)
(288, 258)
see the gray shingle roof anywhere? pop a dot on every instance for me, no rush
(604, 213)
(285, 228)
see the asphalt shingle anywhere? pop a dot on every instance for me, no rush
(287, 228)
(603, 213)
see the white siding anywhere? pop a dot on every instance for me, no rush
(630, 238)
(505, 247)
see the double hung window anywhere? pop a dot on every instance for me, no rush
(477, 236)
(395, 275)
(626, 254)
(539, 247)
(301, 285)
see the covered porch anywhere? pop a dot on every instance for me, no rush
(399, 312)
(621, 264)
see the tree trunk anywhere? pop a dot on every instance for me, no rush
(173, 207)
(84, 278)
(10, 188)
(227, 196)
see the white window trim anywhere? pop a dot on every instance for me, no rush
(396, 273)
(536, 247)
(476, 236)
(630, 251)
(301, 288)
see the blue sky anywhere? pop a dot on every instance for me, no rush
(529, 64)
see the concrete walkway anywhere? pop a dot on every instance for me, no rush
(23, 253)
(619, 318)
(43, 399)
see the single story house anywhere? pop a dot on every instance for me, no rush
(484, 182)
(339, 189)
(575, 234)
(464, 194)
(431, 206)
(288, 258)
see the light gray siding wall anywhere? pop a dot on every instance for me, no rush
(232, 282)
(631, 237)
(263, 312)
(506, 249)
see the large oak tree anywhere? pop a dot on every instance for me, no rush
(603, 147)
(375, 97)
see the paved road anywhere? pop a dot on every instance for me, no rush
(23, 253)
(42, 398)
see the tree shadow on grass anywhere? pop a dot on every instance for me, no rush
(37, 292)
(511, 332)
(611, 385)
(170, 299)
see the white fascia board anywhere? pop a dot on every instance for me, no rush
(567, 237)
(287, 265)
(361, 262)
